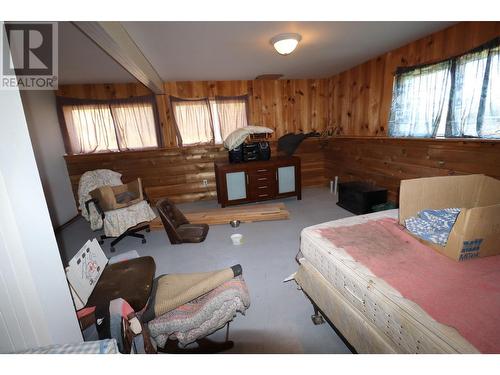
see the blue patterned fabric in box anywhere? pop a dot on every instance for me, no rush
(433, 225)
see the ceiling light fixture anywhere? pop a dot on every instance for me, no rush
(285, 44)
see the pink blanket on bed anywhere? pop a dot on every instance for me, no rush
(464, 295)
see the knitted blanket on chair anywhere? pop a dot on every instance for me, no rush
(174, 290)
(203, 315)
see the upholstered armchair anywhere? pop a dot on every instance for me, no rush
(119, 209)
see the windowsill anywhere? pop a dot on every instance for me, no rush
(117, 152)
(479, 140)
(148, 150)
(312, 139)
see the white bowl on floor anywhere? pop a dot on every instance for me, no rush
(237, 239)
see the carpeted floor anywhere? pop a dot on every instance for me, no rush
(278, 320)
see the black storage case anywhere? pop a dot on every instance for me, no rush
(359, 197)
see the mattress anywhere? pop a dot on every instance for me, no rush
(388, 321)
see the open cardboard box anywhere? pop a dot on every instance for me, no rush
(108, 196)
(476, 232)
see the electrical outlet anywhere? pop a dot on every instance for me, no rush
(205, 183)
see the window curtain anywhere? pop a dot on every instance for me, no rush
(474, 108)
(232, 113)
(459, 97)
(91, 126)
(419, 98)
(135, 122)
(193, 120)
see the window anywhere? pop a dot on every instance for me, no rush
(93, 126)
(459, 97)
(475, 100)
(418, 101)
(193, 121)
(201, 121)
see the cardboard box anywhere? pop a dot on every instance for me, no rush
(109, 196)
(476, 232)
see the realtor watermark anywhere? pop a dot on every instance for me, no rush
(29, 56)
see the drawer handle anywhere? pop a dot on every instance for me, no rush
(263, 195)
(262, 187)
(262, 179)
(362, 301)
(261, 170)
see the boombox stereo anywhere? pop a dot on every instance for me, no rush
(250, 152)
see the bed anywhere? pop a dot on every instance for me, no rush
(373, 316)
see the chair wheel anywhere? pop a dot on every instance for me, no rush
(112, 249)
(143, 240)
(100, 242)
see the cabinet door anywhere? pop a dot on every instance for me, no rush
(236, 183)
(286, 179)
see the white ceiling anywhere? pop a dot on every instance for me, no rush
(82, 61)
(182, 51)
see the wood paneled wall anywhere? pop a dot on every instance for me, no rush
(356, 101)
(361, 96)
(282, 105)
(360, 107)
(387, 161)
(178, 173)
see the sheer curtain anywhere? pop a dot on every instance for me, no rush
(232, 113)
(208, 120)
(459, 97)
(135, 125)
(419, 98)
(91, 126)
(475, 96)
(193, 120)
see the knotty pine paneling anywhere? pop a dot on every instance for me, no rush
(356, 101)
(103, 91)
(178, 173)
(285, 106)
(360, 97)
(123, 91)
(387, 161)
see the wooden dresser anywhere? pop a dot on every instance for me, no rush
(257, 181)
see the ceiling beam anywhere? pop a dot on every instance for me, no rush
(113, 39)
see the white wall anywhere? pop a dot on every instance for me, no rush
(36, 308)
(48, 145)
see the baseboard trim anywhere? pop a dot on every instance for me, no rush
(69, 222)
